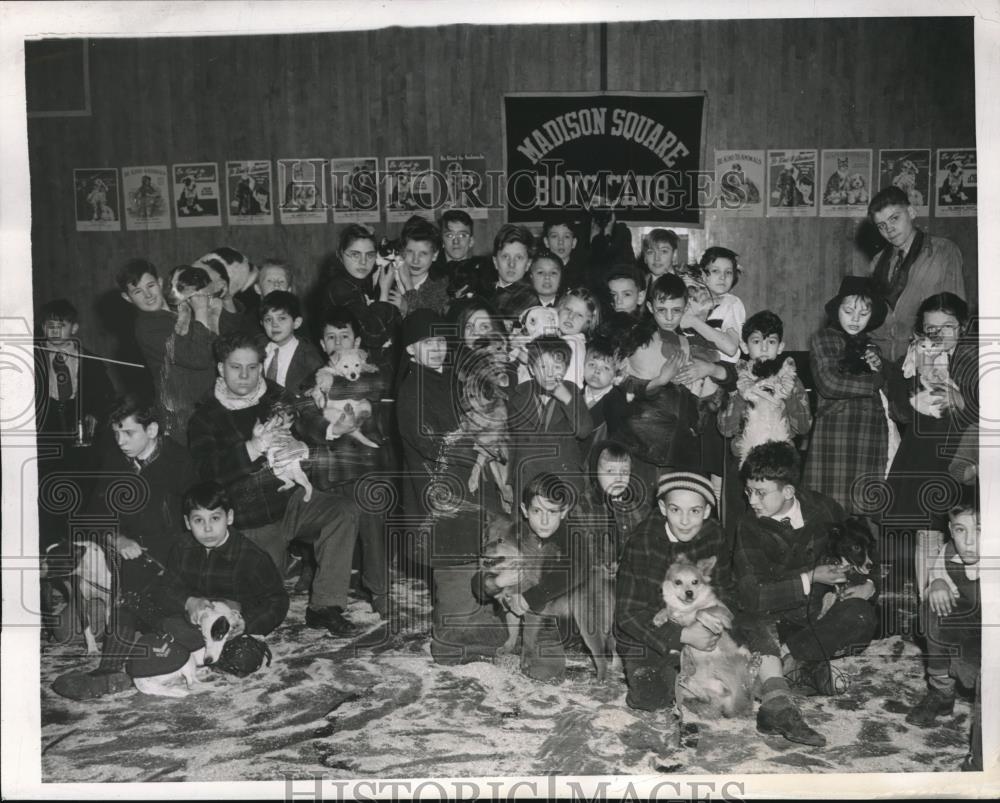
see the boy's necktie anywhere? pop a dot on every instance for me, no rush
(64, 383)
(272, 367)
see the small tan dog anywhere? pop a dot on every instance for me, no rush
(711, 682)
(216, 621)
(281, 417)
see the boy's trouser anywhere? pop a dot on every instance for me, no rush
(329, 521)
(953, 642)
(849, 624)
(542, 653)
(462, 628)
(373, 535)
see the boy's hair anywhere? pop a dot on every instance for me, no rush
(456, 216)
(545, 253)
(625, 270)
(420, 230)
(601, 345)
(560, 218)
(511, 233)
(614, 451)
(775, 460)
(765, 322)
(667, 288)
(718, 252)
(206, 496)
(340, 317)
(58, 310)
(548, 344)
(132, 272)
(946, 302)
(281, 301)
(658, 236)
(142, 410)
(890, 196)
(275, 262)
(551, 487)
(355, 231)
(967, 504)
(227, 344)
(588, 298)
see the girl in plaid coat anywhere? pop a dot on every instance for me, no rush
(851, 435)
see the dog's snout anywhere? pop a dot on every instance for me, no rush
(689, 594)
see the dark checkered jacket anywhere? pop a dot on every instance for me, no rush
(238, 571)
(770, 557)
(648, 555)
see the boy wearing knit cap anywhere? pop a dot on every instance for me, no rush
(680, 525)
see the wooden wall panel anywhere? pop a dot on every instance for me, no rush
(770, 83)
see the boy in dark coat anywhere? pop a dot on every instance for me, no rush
(548, 418)
(780, 543)
(291, 361)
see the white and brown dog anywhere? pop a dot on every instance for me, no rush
(216, 621)
(186, 281)
(87, 585)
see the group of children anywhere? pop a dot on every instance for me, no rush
(605, 417)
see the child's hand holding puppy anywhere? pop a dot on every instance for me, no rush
(940, 597)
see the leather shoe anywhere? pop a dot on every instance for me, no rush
(787, 721)
(331, 618)
(933, 705)
(90, 685)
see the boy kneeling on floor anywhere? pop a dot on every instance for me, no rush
(214, 563)
(781, 546)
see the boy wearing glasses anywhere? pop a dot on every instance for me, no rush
(912, 267)
(781, 548)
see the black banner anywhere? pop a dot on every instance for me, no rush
(640, 152)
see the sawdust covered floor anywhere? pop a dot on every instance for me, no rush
(379, 707)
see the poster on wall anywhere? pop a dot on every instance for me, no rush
(354, 183)
(147, 197)
(196, 195)
(846, 179)
(956, 182)
(639, 152)
(739, 183)
(910, 170)
(791, 183)
(410, 188)
(248, 188)
(302, 184)
(96, 196)
(465, 181)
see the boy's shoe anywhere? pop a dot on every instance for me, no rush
(787, 721)
(331, 618)
(819, 676)
(380, 604)
(933, 705)
(90, 685)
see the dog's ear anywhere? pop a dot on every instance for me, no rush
(220, 627)
(705, 565)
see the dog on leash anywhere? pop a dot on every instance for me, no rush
(590, 604)
(88, 586)
(711, 682)
(215, 620)
(852, 546)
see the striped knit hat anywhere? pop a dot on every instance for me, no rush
(685, 481)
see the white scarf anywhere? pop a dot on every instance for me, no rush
(231, 401)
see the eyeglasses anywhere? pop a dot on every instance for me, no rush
(456, 236)
(360, 256)
(945, 329)
(758, 493)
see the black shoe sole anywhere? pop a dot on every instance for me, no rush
(778, 732)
